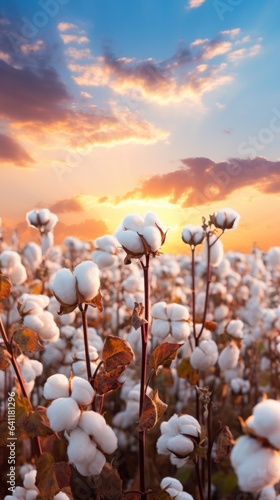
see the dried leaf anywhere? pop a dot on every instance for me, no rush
(23, 409)
(185, 370)
(210, 325)
(5, 358)
(105, 382)
(224, 443)
(51, 477)
(138, 318)
(109, 483)
(27, 340)
(160, 405)
(116, 352)
(96, 302)
(4, 432)
(148, 418)
(37, 423)
(163, 353)
(160, 495)
(35, 287)
(5, 286)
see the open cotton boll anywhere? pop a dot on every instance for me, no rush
(229, 357)
(240, 386)
(216, 250)
(30, 479)
(205, 355)
(44, 215)
(18, 274)
(268, 493)
(31, 495)
(159, 310)
(184, 496)
(56, 386)
(80, 447)
(133, 222)
(37, 367)
(80, 368)
(180, 445)
(19, 493)
(103, 259)
(151, 219)
(97, 465)
(235, 328)
(177, 312)
(63, 414)
(81, 391)
(258, 471)
(88, 281)
(64, 287)
(226, 218)
(61, 496)
(49, 331)
(193, 235)
(245, 446)
(9, 259)
(33, 322)
(95, 425)
(180, 330)
(131, 241)
(160, 328)
(266, 418)
(42, 300)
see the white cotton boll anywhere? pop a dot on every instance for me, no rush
(24, 469)
(63, 414)
(151, 218)
(162, 443)
(229, 357)
(189, 420)
(37, 367)
(81, 391)
(68, 331)
(245, 446)
(221, 312)
(81, 355)
(80, 368)
(133, 283)
(95, 425)
(49, 332)
(180, 330)
(235, 328)
(177, 312)
(56, 386)
(29, 386)
(268, 493)
(266, 418)
(133, 222)
(18, 274)
(193, 235)
(216, 250)
(27, 371)
(49, 225)
(33, 322)
(9, 259)
(64, 287)
(131, 241)
(205, 355)
(171, 482)
(32, 218)
(42, 300)
(44, 215)
(240, 386)
(184, 496)
(179, 462)
(29, 480)
(19, 493)
(88, 281)
(260, 470)
(172, 492)
(67, 319)
(81, 448)
(225, 218)
(31, 494)
(171, 427)
(31, 307)
(159, 311)
(103, 259)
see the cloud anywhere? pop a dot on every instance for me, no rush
(66, 26)
(74, 38)
(67, 205)
(195, 3)
(200, 181)
(193, 69)
(12, 152)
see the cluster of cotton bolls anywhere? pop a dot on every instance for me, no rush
(88, 434)
(44, 220)
(30, 370)
(29, 490)
(179, 436)
(255, 457)
(106, 251)
(175, 489)
(10, 265)
(32, 310)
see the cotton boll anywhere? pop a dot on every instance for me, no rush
(33, 322)
(180, 445)
(97, 465)
(177, 312)
(61, 496)
(240, 386)
(133, 222)
(262, 469)
(81, 391)
(153, 237)
(171, 482)
(226, 218)
(184, 496)
(41, 300)
(131, 241)
(56, 386)
(49, 331)
(268, 493)
(103, 259)
(216, 250)
(235, 328)
(162, 444)
(81, 448)
(160, 328)
(245, 446)
(180, 330)
(64, 287)
(19, 493)
(63, 414)
(205, 355)
(9, 259)
(31, 495)
(179, 462)
(80, 368)
(229, 357)
(88, 281)
(159, 311)
(29, 480)
(221, 312)
(193, 235)
(37, 367)
(151, 219)
(266, 418)
(189, 425)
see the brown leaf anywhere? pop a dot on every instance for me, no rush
(116, 352)
(160, 495)
(5, 358)
(210, 325)
(35, 287)
(224, 443)
(4, 432)
(148, 418)
(37, 423)
(96, 302)
(109, 483)
(5, 286)
(163, 353)
(160, 405)
(185, 370)
(138, 318)
(27, 340)
(51, 477)
(105, 382)
(23, 409)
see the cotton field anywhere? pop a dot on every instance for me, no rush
(128, 373)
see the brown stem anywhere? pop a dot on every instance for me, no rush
(209, 450)
(208, 281)
(38, 448)
(85, 332)
(199, 482)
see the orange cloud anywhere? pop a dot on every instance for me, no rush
(12, 152)
(67, 205)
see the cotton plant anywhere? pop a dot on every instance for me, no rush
(29, 490)
(43, 220)
(32, 309)
(11, 266)
(106, 251)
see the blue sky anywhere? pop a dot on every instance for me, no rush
(101, 97)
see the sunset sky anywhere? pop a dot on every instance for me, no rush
(109, 107)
